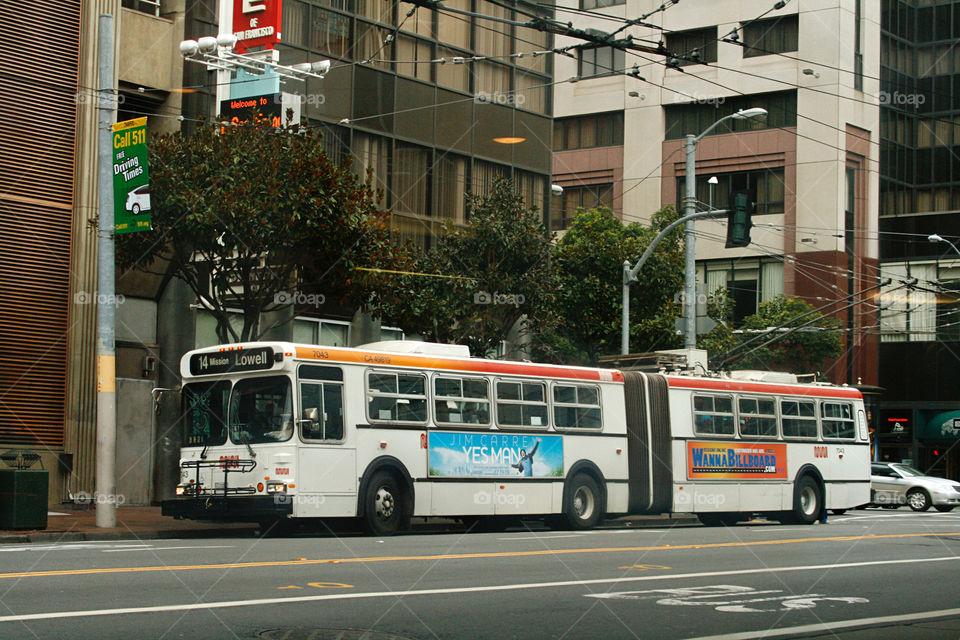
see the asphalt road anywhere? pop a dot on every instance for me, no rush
(867, 574)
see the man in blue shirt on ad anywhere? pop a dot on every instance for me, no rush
(525, 465)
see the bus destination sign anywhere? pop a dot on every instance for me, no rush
(231, 361)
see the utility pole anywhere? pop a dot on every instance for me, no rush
(106, 489)
(690, 249)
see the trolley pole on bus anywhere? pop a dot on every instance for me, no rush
(106, 458)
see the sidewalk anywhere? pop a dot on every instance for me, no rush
(146, 523)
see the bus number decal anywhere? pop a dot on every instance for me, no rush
(321, 355)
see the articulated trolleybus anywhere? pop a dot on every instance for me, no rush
(395, 430)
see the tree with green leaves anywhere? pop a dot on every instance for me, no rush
(786, 334)
(588, 261)
(478, 281)
(245, 214)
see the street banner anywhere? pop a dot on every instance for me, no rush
(495, 455)
(736, 461)
(131, 180)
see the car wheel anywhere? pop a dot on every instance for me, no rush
(583, 506)
(943, 508)
(136, 209)
(385, 507)
(918, 499)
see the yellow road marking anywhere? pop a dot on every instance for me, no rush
(457, 556)
(644, 567)
(290, 587)
(330, 585)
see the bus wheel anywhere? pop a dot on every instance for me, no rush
(385, 505)
(807, 501)
(583, 507)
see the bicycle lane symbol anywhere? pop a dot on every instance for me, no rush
(731, 598)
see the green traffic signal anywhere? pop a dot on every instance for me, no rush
(739, 220)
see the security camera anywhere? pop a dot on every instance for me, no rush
(207, 44)
(189, 47)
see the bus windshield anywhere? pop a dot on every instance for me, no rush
(261, 410)
(205, 413)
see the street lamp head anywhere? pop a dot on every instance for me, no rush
(556, 190)
(755, 112)
(935, 237)
(713, 180)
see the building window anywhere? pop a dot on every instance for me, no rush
(586, 197)
(698, 46)
(331, 32)
(331, 333)
(416, 56)
(595, 130)
(601, 61)
(599, 4)
(766, 189)
(452, 174)
(776, 35)
(694, 118)
(144, 6)
(744, 296)
(948, 311)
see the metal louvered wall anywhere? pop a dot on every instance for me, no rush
(38, 76)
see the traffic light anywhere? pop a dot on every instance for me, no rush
(738, 220)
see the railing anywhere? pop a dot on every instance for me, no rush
(228, 466)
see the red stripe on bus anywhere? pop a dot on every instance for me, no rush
(764, 387)
(374, 358)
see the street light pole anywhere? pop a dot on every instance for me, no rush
(690, 264)
(690, 205)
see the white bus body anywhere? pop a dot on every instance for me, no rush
(278, 430)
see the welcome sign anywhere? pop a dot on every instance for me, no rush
(495, 455)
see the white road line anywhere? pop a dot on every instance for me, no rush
(536, 537)
(52, 615)
(830, 627)
(213, 546)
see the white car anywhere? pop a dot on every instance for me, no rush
(138, 199)
(893, 484)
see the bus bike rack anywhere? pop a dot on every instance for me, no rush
(228, 466)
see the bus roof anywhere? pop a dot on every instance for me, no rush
(375, 357)
(727, 384)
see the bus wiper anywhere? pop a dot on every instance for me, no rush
(245, 439)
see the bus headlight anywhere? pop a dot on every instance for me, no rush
(276, 487)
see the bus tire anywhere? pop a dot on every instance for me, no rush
(385, 508)
(584, 504)
(807, 501)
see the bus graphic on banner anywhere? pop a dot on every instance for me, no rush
(495, 455)
(736, 461)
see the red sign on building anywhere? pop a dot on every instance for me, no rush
(256, 23)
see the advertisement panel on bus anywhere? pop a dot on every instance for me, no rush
(736, 461)
(495, 455)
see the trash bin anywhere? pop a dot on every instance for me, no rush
(23, 494)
